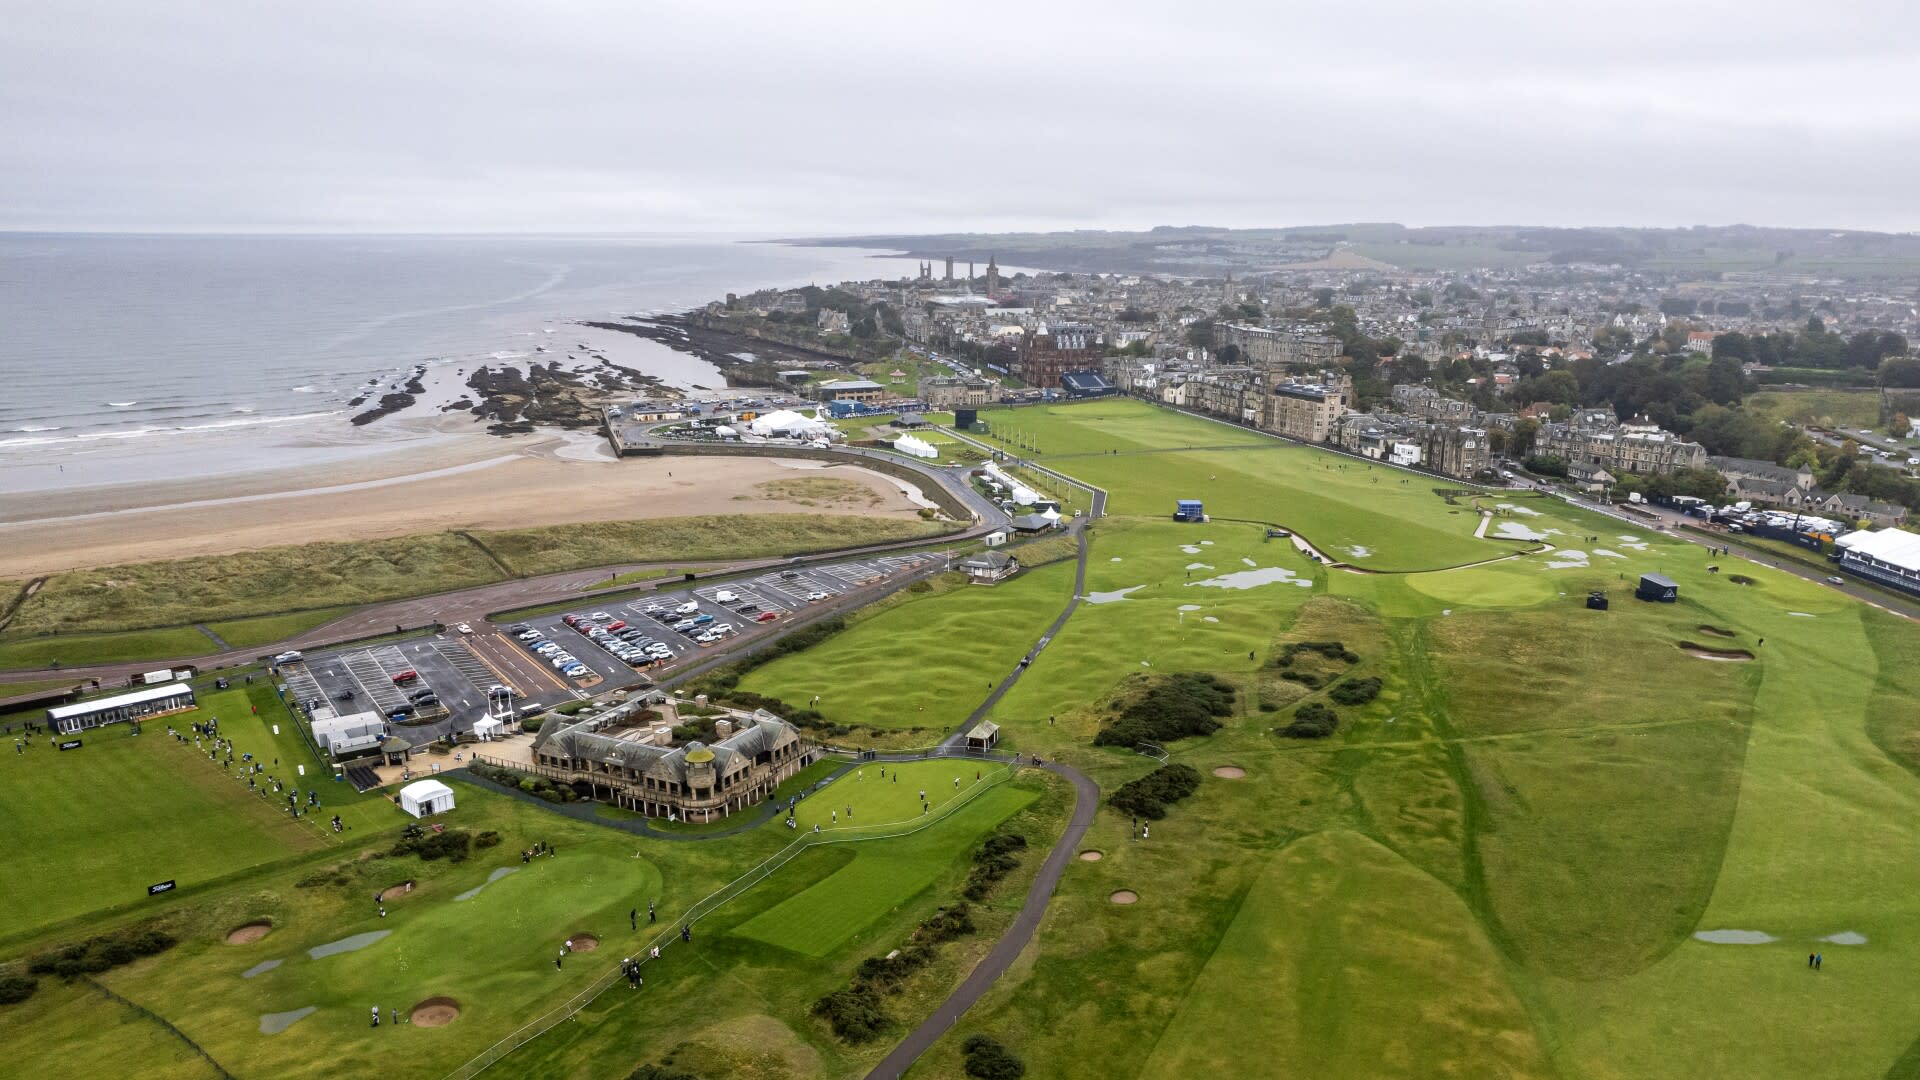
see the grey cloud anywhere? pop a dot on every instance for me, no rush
(598, 115)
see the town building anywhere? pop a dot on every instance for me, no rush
(1858, 508)
(148, 701)
(1269, 348)
(1056, 350)
(1598, 441)
(1306, 411)
(989, 567)
(942, 392)
(623, 760)
(1888, 556)
(862, 390)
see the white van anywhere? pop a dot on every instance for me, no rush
(725, 597)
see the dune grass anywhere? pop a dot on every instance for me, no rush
(552, 549)
(267, 629)
(73, 650)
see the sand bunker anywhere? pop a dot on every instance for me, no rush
(1230, 772)
(1092, 856)
(1726, 655)
(275, 1023)
(1125, 896)
(246, 935)
(1736, 937)
(498, 873)
(1715, 631)
(347, 944)
(584, 942)
(434, 1012)
(401, 891)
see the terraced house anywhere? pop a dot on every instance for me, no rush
(627, 761)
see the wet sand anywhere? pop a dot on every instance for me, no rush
(483, 483)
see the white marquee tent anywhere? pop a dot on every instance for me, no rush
(787, 424)
(424, 797)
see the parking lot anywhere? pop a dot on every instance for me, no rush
(460, 668)
(362, 680)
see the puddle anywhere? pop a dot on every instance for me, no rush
(1189, 549)
(1845, 937)
(498, 873)
(1565, 559)
(1605, 554)
(1248, 561)
(1110, 597)
(1521, 510)
(1209, 618)
(1633, 542)
(1247, 579)
(1116, 558)
(1799, 614)
(1198, 566)
(1206, 543)
(1736, 937)
(349, 944)
(1144, 663)
(1513, 530)
(1359, 551)
(275, 1023)
(261, 968)
(1189, 607)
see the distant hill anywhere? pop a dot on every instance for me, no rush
(1705, 251)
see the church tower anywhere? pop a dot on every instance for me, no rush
(993, 276)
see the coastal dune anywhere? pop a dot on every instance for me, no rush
(552, 482)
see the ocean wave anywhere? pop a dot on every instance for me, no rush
(123, 404)
(86, 437)
(308, 389)
(37, 427)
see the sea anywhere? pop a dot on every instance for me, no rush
(136, 358)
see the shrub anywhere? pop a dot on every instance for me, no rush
(1332, 650)
(1149, 796)
(450, 845)
(532, 724)
(987, 1059)
(1314, 720)
(332, 875)
(877, 973)
(15, 989)
(1356, 691)
(1304, 678)
(949, 923)
(997, 857)
(854, 1013)
(97, 954)
(659, 1072)
(1170, 708)
(486, 840)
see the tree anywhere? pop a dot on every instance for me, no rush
(1227, 354)
(1725, 382)
(1525, 431)
(1497, 440)
(1410, 369)
(1900, 371)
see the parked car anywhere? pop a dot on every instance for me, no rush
(345, 695)
(423, 692)
(789, 574)
(684, 625)
(288, 657)
(617, 625)
(577, 671)
(573, 620)
(747, 609)
(519, 628)
(815, 597)
(767, 616)
(653, 609)
(406, 677)
(687, 608)
(722, 628)
(601, 616)
(531, 635)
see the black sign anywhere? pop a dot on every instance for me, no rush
(70, 744)
(156, 890)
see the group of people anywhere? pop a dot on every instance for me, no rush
(541, 848)
(394, 1014)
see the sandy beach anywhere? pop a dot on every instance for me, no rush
(478, 482)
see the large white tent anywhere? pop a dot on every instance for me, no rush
(424, 797)
(787, 424)
(488, 727)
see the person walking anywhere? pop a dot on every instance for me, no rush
(633, 918)
(1810, 959)
(650, 915)
(1818, 958)
(376, 1016)
(557, 959)
(686, 931)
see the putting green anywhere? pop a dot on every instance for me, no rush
(883, 875)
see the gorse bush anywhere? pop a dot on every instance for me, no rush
(1356, 691)
(1149, 796)
(1169, 708)
(17, 988)
(1314, 720)
(997, 857)
(986, 1059)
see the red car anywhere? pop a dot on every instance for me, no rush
(766, 616)
(406, 676)
(617, 624)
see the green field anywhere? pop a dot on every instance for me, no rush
(1102, 427)
(1853, 409)
(961, 644)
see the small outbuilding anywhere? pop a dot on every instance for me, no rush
(424, 798)
(983, 735)
(989, 567)
(1658, 588)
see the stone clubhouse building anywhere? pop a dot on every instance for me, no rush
(630, 763)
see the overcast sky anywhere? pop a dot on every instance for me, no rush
(822, 117)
